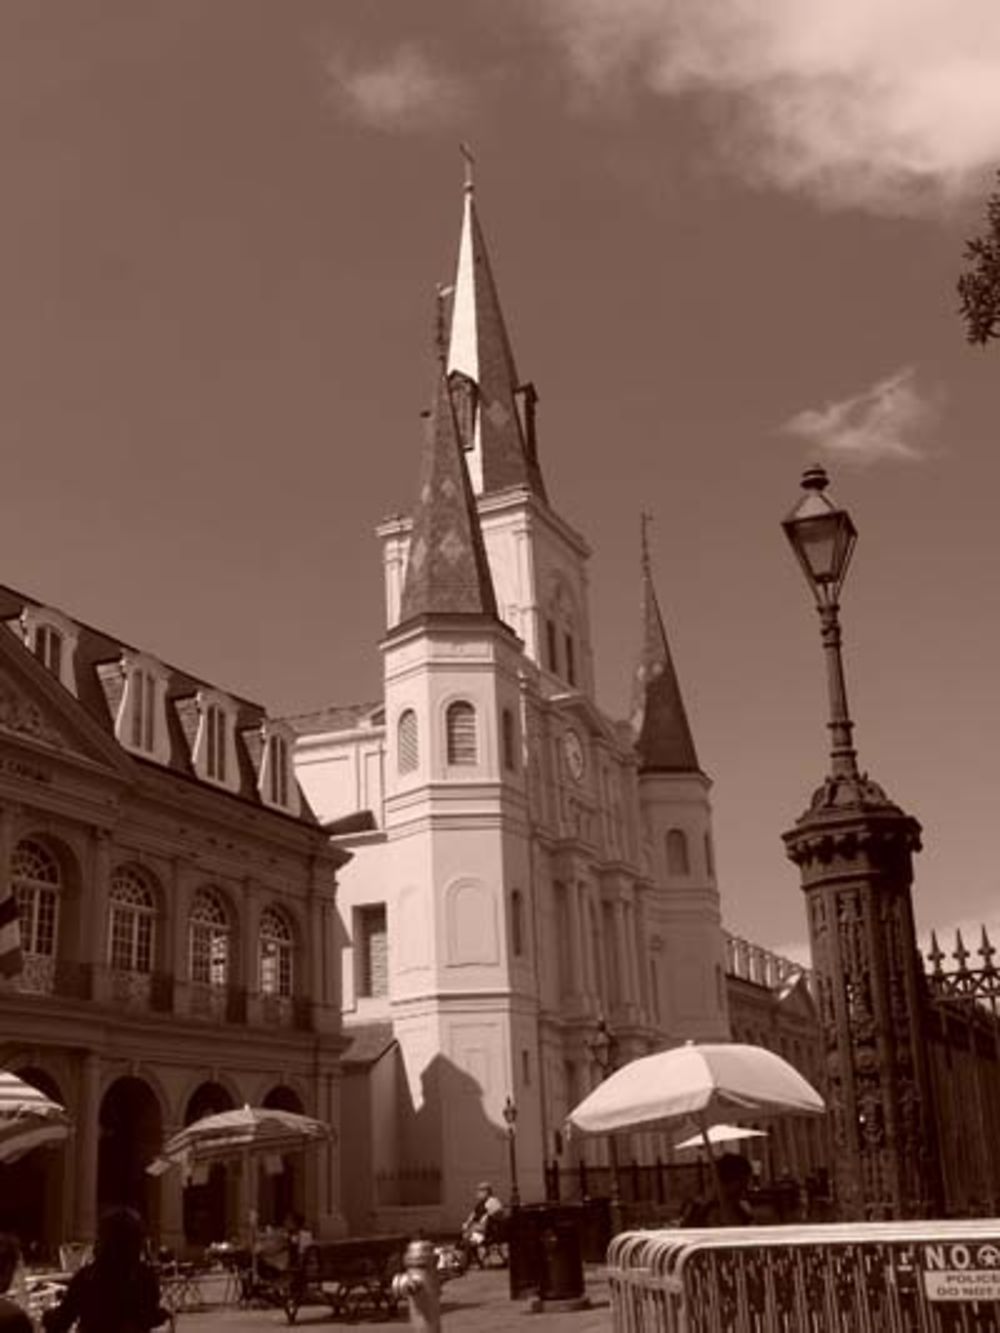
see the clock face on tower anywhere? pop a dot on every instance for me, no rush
(575, 759)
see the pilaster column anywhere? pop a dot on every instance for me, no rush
(576, 984)
(86, 1146)
(96, 945)
(621, 944)
(632, 948)
(249, 931)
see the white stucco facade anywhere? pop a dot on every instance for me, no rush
(526, 894)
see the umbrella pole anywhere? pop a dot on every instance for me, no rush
(714, 1162)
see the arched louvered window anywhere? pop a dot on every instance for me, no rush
(678, 856)
(275, 953)
(709, 856)
(37, 882)
(133, 919)
(208, 939)
(460, 726)
(407, 740)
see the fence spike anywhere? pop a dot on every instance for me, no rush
(986, 952)
(935, 954)
(961, 954)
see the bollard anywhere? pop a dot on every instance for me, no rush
(419, 1285)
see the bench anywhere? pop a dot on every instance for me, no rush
(351, 1276)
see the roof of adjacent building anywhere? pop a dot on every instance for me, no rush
(447, 572)
(659, 720)
(479, 350)
(98, 689)
(337, 717)
(369, 1042)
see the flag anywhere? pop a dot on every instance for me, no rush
(10, 933)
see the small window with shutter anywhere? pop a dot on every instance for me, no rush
(407, 738)
(460, 728)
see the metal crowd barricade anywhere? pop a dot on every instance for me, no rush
(874, 1277)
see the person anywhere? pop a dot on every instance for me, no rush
(12, 1318)
(486, 1214)
(729, 1206)
(280, 1249)
(118, 1291)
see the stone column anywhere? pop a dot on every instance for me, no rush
(249, 929)
(86, 1147)
(632, 947)
(171, 1222)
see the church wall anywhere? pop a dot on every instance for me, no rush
(341, 774)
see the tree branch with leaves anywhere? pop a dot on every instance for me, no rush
(979, 285)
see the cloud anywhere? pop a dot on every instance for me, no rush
(404, 91)
(884, 422)
(890, 105)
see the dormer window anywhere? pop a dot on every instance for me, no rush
(277, 755)
(143, 710)
(52, 638)
(216, 743)
(49, 648)
(136, 688)
(276, 782)
(214, 752)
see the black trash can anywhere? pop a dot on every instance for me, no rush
(562, 1257)
(545, 1252)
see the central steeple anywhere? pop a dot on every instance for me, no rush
(500, 448)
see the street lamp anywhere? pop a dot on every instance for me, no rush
(510, 1119)
(603, 1047)
(823, 538)
(854, 850)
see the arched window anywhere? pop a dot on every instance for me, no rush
(508, 740)
(133, 918)
(216, 724)
(407, 741)
(678, 858)
(460, 728)
(275, 953)
(517, 923)
(208, 940)
(37, 880)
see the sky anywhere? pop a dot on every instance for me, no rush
(726, 240)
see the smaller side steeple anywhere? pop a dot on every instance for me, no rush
(662, 734)
(447, 571)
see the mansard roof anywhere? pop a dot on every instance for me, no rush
(662, 733)
(479, 351)
(97, 687)
(447, 572)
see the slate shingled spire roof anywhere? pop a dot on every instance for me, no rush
(481, 360)
(447, 571)
(663, 736)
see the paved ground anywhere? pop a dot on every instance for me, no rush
(478, 1302)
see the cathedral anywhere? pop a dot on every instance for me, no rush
(523, 865)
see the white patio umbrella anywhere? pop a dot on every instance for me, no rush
(706, 1084)
(241, 1135)
(720, 1134)
(27, 1118)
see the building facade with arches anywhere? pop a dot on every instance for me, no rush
(177, 904)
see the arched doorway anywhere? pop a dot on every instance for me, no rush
(131, 1134)
(280, 1184)
(206, 1198)
(31, 1189)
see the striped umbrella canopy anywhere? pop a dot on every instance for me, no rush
(251, 1131)
(27, 1118)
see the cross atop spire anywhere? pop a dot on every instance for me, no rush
(470, 167)
(480, 360)
(659, 720)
